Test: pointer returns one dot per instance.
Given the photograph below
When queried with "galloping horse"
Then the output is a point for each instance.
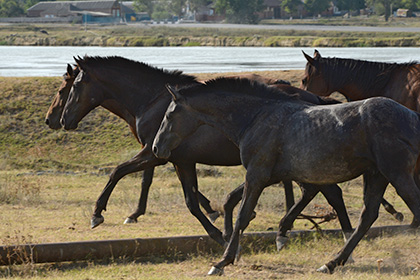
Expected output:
(360, 79)
(281, 137)
(53, 117)
(139, 90)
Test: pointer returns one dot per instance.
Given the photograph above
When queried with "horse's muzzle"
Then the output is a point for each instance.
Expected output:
(68, 125)
(161, 153)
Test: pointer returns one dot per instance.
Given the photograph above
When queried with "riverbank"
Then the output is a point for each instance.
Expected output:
(160, 35)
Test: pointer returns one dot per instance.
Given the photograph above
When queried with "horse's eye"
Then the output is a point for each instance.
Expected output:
(304, 81)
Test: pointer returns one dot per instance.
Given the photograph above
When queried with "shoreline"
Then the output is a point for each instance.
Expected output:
(203, 35)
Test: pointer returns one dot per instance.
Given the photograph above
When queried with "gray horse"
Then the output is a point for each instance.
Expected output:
(283, 138)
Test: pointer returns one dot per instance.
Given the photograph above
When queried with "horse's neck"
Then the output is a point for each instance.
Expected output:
(353, 91)
(117, 109)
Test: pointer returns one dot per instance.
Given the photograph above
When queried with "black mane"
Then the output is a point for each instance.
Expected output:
(238, 85)
(369, 74)
(137, 67)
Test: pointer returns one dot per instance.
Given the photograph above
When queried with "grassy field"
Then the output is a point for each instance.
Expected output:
(50, 180)
(161, 35)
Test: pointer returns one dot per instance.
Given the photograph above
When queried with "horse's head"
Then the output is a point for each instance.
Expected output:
(178, 123)
(85, 95)
(314, 80)
(53, 116)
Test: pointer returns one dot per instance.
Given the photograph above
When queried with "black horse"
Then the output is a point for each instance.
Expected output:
(281, 137)
(138, 90)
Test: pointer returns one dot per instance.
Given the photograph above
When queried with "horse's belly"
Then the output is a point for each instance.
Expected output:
(324, 168)
(325, 175)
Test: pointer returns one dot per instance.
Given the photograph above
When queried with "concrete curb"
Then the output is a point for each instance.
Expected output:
(139, 247)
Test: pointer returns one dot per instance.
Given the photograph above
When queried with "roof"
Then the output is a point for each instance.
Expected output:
(81, 5)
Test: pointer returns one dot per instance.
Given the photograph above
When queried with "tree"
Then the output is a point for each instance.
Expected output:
(240, 11)
(315, 7)
(161, 10)
(290, 6)
(11, 8)
(176, 6)
(144, 6)
(382, 7)
(413, 5)
(351, 5)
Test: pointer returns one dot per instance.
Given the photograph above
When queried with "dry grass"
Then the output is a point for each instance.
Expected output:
(56, 207)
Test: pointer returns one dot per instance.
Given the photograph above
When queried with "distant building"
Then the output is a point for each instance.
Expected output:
(208, 14)
(403, 13)
(91, 11)
(272, 9)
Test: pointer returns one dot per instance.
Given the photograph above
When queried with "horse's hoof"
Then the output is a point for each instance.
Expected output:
(213, 216)
(214, 271)
(414, 224)
(399, 216)
(281, 241)
(130, 221)
(253, 215)
(96, 221)
(324, 269)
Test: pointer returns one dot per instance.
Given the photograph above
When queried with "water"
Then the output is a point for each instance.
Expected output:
(52, 61)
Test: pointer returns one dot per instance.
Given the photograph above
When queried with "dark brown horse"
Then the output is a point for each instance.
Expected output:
(281, 137)
(359, 79)
(53, 117)
(140, 90)
(55, 110)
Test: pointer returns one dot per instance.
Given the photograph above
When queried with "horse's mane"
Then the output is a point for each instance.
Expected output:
(124, 64)
(238, 85)
(369, 74)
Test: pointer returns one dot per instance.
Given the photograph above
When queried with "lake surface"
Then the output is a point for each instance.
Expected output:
(52, 61)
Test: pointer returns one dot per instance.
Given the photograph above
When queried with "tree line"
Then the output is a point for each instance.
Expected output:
(236, 11)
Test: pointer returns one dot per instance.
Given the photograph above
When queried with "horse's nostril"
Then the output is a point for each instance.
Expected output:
(155, 150)
(47, 121)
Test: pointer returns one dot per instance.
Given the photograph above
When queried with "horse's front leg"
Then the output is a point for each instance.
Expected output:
(232, 199)
(188, 177)
(146, 182)
(251, 194)
(374, 188)
(143, 160)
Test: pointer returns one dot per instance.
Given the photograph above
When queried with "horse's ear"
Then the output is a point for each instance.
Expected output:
(79, 61)
(69, 70)
(175, 94)
(308, 58)
(317, 54)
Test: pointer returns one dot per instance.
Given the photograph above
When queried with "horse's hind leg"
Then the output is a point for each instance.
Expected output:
(188, 177)
(213, 214)
(146, 182)
(235, 196)
(407, 189)
(416, 222)
(286, 223)
(391, 210)
(374, 188)
(334, 196)
(288, 194)
(143, 160)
